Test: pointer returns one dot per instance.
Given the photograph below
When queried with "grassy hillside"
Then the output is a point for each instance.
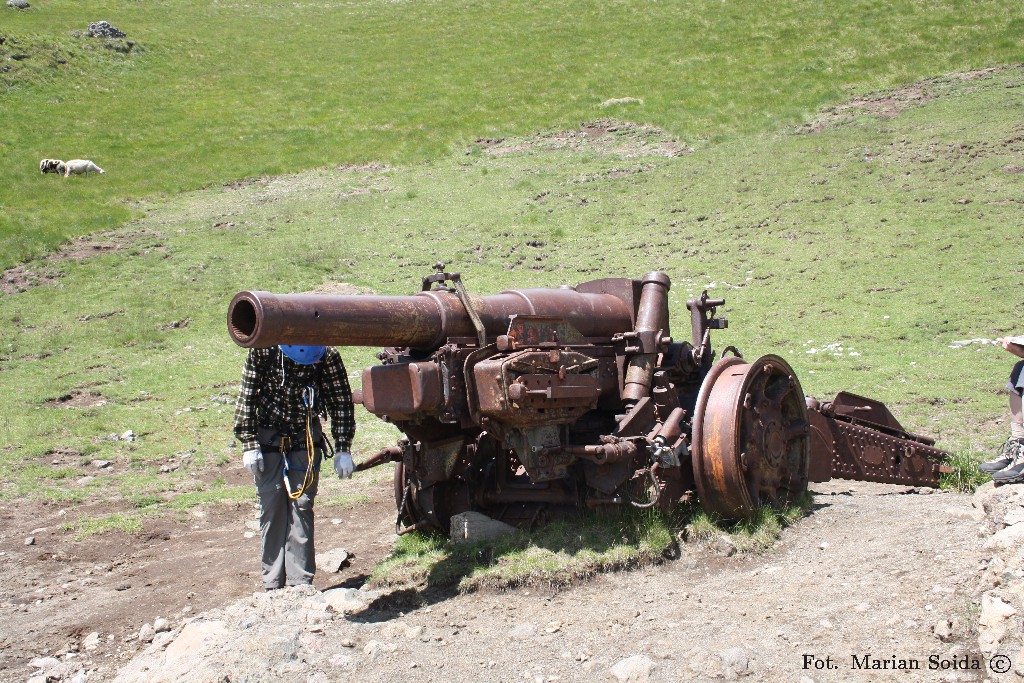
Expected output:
(212, 92)
(859, 252)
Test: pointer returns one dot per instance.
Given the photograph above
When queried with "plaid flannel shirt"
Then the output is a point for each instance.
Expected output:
(271, 396)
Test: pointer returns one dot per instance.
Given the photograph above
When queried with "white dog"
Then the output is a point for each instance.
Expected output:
(80, 166)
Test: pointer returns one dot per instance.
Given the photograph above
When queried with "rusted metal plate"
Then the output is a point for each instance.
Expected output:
(402, 390)
(866, 454)
(537, 330)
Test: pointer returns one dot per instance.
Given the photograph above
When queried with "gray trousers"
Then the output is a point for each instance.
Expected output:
(286, 526)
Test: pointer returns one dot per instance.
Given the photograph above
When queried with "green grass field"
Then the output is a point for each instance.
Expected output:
(217, 91)
(859, 252)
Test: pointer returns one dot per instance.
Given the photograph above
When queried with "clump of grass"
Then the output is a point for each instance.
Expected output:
(344, 500)
(559, 553)
(755, 534)
(965, 476)
(86, 527)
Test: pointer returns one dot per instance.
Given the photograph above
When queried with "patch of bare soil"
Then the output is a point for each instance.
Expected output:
(603, 136)
(77, 399)
(340, 289)
(889, 104)
(23, 277)
(58, 590)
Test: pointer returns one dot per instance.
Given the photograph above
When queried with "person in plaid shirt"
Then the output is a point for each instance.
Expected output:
(285, 390)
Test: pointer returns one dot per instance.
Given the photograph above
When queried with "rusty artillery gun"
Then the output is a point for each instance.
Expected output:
(535, 399)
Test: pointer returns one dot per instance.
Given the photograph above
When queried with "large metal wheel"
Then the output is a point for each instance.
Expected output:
(751, 444)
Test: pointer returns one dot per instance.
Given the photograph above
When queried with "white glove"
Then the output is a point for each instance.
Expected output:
(343, 465)
(253, 461)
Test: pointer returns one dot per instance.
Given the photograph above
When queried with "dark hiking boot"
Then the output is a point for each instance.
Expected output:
(1009, 450)
(1015, 471)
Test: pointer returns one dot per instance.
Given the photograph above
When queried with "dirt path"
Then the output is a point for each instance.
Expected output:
(873, 571)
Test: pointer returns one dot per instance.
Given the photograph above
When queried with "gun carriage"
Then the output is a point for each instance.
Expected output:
(532, 399)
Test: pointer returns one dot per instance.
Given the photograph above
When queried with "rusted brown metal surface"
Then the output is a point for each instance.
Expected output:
(853, 437)
(530, 401)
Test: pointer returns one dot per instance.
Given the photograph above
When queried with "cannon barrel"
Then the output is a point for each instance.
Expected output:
(423, 321)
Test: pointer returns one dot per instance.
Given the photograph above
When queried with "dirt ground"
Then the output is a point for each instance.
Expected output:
(58, 590)
(873, 569)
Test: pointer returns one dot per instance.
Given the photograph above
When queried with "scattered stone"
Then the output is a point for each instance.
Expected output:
(146, 633)
(128, 435)
(468, 527)
(332, 561)
(161, 625)
(823, 545)
(31, 540)
(994, 611)
(523, 631)
(1007, 538)
(724, 546)
(254, 524)
(635, 669)
(18, 4)
(44, 663)
(102, 29)
(91, 641)
(349, 599)
(342, 661)
(943, 630)
(101, 464)
(81, 677)
(734, 663)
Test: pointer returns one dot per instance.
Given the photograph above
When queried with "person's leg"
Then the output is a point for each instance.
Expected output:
(1016, 416)
(1013, 450)
(300, 551)
(274, 521)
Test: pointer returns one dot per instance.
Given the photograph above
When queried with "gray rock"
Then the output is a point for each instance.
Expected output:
(349, 599)
(468, 527)
(81, 677)
(146, 633)
(724, 546)
(102, 29)
(31, 540)
(161, 625)
(734, 663)
(635, 669)
(523, 631)
(91, 641)
(332, 561)
(101, 464)
(943, 630)
(44, 663)
(18, 4)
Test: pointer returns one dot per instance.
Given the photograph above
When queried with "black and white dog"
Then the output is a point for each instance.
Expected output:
(52, 166)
